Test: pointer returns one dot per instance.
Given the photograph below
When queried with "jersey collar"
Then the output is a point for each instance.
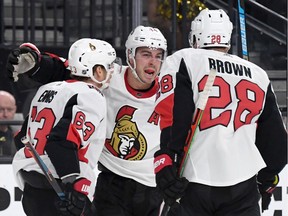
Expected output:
(141, 93)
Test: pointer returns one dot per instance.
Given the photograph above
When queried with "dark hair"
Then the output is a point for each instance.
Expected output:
(80, 78)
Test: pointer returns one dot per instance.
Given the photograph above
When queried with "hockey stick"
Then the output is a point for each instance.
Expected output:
(44, 168)
(242, 23)
(200, 107)
(53, 182)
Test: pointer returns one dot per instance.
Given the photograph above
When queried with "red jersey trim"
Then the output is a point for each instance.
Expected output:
(73, 136)
(141, 94)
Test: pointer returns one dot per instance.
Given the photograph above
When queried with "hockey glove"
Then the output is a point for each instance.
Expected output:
(171, 186)
(24, 59)
(76, 203)
(266, 189)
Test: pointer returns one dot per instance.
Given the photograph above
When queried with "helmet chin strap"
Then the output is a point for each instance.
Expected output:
(134, 70)
(104, 86)
(104, 82)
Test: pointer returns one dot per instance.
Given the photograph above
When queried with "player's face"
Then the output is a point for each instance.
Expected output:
(148, 63)
(7, 107)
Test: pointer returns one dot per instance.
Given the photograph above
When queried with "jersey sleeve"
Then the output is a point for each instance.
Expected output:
(175, 104)
(271, 137)
(52, 68)
(69, 140)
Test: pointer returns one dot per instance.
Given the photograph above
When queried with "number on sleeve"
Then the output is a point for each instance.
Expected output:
(81, 124)
(166, 83)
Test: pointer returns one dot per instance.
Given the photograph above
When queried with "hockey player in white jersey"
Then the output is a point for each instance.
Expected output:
(126, 184)
(66, 125)
(241, 135)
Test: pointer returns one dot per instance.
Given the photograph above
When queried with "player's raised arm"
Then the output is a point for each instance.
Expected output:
(27, 60)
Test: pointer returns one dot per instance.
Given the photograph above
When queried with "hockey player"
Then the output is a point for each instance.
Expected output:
(66, 125)
(241, 138)
(126, 184)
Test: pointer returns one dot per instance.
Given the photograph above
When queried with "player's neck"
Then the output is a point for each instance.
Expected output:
(90, 81)
(135, 83)
(220, 49)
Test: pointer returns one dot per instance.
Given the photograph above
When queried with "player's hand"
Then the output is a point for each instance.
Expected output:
(266, 189)
(24, 59)
(171, 186)
(76, 202)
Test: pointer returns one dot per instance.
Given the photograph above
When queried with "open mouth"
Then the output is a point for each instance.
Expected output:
(149, 72)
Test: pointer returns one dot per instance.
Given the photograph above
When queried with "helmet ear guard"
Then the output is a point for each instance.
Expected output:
(211, 28)
(192, 40)
(129, 53)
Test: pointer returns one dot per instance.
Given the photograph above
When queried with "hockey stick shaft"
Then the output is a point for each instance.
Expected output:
(197, 120)
(200, 107)
(165, 210)
(242, 23)
(53, 182)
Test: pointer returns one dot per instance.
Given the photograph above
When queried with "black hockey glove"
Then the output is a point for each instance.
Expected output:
(24, 59)
(76, 203)
(171, 186)
(266, 189)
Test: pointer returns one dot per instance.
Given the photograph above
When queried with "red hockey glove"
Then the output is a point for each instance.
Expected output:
(24, 59)
(171, 186)
(266, 189)
(76, 202)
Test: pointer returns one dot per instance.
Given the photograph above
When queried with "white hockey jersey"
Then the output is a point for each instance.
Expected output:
(223, 151)
(81, 104)
(133, 132)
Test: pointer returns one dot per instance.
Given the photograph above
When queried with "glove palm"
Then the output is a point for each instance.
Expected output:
(24, 59)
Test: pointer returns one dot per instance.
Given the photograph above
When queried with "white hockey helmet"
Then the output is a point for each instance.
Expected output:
(143, 36)
(85, 53)
(211, 28)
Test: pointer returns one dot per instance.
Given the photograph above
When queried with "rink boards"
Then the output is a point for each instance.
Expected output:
(10, 195)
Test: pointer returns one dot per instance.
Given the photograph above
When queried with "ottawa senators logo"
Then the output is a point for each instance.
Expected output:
(127, 141)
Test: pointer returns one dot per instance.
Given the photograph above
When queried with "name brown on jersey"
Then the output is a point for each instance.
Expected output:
(229, 67)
